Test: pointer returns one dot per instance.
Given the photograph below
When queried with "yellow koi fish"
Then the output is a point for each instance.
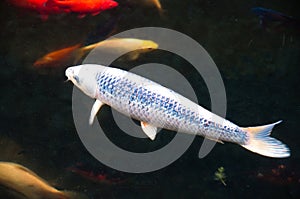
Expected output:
(119, 45)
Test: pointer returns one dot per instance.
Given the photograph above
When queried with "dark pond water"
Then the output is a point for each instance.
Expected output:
(259, 67)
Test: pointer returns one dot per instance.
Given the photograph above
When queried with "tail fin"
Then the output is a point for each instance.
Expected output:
(81, 52)
(260, 142)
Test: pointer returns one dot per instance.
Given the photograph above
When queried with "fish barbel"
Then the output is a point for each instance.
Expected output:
(157, 106)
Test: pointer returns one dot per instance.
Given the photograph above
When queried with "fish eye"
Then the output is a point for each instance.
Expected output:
(76, 78)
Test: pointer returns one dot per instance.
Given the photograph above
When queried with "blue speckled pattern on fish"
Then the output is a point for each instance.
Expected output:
(133, 96)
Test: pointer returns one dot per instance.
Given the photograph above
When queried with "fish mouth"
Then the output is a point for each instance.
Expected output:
(72, 74)
(68, 73)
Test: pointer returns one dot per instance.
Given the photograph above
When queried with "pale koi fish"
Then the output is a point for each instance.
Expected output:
(157, 106)
(24, 182)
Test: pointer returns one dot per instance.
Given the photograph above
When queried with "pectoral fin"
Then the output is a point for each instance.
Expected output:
(134, 56)
(97, 105)
(149, 130)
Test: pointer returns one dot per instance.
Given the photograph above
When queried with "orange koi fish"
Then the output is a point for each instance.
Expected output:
(99, 177)
(57, 58)
(83, 7)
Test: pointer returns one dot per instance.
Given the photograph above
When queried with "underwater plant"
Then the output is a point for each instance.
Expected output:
(220, 175)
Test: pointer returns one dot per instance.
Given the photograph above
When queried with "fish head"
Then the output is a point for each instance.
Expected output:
(108, 4)
(149, 45)
(72, 74)
(84, 77)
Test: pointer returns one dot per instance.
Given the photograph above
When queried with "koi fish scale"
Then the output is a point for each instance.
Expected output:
(148, 101)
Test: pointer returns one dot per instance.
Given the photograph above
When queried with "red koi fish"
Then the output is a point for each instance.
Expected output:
(83, 7)
(99, 177)
(280, 175)
(39, 6)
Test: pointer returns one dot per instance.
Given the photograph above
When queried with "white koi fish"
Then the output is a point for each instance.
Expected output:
(157, 106)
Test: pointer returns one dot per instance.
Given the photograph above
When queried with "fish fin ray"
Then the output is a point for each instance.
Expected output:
(97, 105)
(214, 139)
(149, 130)
(260, 142)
